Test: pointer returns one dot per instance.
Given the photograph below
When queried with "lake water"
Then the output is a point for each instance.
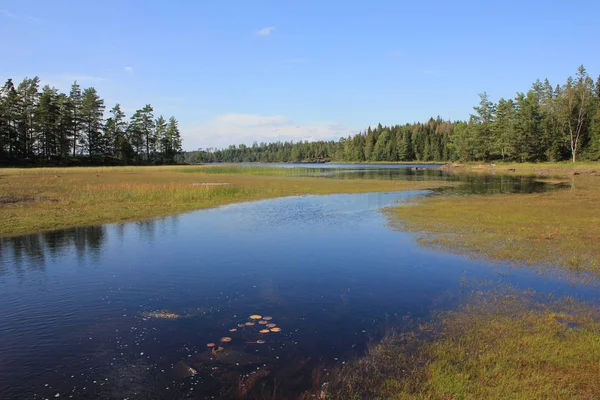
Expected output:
(329, 270)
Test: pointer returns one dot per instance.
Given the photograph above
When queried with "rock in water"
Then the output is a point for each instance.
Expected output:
(181, 371)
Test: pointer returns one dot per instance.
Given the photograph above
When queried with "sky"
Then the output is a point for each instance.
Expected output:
(236, 72)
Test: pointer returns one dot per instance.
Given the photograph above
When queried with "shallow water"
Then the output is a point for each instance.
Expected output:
(328, 269)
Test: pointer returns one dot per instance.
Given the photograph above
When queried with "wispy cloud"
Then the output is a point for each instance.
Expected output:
(128, 69)
(266, 31)
(19, 17)
(227, 129)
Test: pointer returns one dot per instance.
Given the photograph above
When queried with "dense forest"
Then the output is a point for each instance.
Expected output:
(48, 127)
(547, 123)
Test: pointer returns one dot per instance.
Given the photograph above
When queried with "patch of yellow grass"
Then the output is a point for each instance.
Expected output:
(34, 200)
(561, 227)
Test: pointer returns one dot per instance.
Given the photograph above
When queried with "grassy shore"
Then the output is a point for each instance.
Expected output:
(497, 346)
(34, 200)
(547, 168)
(561, 227)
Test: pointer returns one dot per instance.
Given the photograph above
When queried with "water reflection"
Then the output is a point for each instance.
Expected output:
(31, 252)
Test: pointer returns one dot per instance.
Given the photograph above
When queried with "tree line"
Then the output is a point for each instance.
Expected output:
(546, 123)
(49, 127)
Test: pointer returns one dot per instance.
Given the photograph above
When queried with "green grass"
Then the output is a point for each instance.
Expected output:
(497, 346)
(559, 228)
(34, 200)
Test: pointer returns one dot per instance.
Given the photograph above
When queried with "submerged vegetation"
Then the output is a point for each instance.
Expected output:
(560, 227)
(497, 346)
(34, 200)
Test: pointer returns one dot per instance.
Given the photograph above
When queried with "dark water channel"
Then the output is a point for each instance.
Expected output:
(329, 270)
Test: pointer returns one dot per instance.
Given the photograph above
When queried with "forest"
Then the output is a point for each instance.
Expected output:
(546, 123)
(46, 127)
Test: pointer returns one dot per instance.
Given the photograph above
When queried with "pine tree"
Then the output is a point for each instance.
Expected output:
(8, 119)
(142, 131)
(174, 140)
(47, 122)
(503, 129)
(160, 135)
(27, 102)
(114, 132)
(92, 111)
(75, 103)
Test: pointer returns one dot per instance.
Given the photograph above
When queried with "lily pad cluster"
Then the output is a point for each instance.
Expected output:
(265, 326)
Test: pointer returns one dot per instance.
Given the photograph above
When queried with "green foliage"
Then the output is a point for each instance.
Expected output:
(50, 127)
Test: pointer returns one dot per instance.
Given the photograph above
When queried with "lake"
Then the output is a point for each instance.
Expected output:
(80, 309)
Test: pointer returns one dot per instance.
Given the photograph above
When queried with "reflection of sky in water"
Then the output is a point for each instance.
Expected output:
(328, 268)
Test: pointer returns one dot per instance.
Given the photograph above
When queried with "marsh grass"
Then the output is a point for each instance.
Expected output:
(560, 227)
(497, 346)
(68, 197)
(248, 170)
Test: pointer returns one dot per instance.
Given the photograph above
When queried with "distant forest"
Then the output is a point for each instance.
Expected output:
(51, 128)
(547, 123)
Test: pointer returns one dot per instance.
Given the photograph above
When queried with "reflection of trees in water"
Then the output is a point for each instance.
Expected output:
(30, 252)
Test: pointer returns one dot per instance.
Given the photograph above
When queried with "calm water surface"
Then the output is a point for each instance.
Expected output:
(328, 269)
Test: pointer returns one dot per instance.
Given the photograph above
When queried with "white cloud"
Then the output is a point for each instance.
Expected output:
(224, 130)
(266, 31)
(128, 69)
(19, 17)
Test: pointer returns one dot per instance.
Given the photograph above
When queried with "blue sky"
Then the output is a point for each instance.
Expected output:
(239, 71)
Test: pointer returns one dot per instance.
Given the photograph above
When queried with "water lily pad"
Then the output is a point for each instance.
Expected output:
(210, 345)
(271, 325)
(250, 323)
(262, 322)
(233, 330)
(255, 316)
(267, 318)
(275, 329)
(225, 339)
(264, 331)
(260, 341)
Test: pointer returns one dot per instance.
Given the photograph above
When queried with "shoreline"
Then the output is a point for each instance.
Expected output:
(40, 200)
